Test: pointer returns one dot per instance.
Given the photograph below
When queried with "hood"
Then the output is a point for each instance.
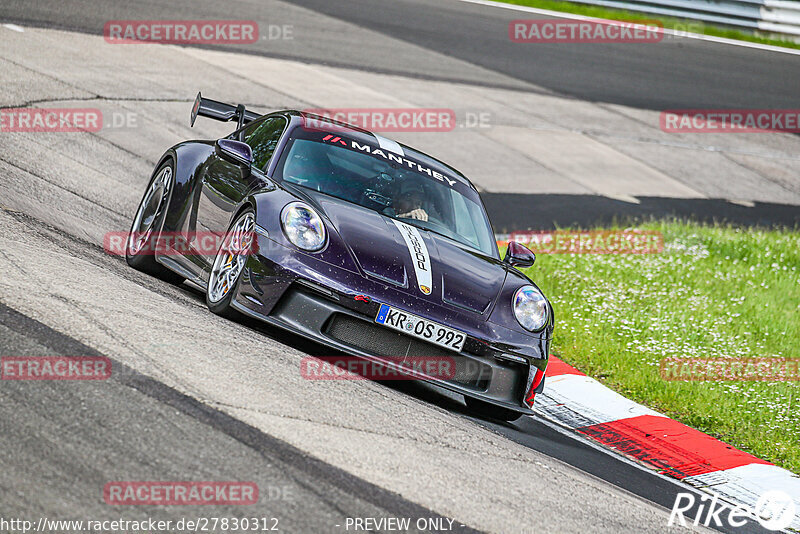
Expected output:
(424, 264)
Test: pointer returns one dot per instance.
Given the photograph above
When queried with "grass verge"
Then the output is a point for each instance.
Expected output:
(684, 25)
(713, 292)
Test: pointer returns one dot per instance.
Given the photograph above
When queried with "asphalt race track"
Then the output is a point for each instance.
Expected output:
(197, 397)
(181, 433)
(591, 95)
(682, 74)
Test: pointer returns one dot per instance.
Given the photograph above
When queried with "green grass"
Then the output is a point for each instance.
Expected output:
(668, 22)
(713, 292)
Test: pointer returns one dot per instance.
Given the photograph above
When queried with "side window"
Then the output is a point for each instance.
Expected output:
(263, 138)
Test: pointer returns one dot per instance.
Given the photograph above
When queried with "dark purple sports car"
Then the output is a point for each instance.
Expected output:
(362, 244)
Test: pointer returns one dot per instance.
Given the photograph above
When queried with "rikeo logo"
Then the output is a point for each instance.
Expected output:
(774, 510)
(181, 31)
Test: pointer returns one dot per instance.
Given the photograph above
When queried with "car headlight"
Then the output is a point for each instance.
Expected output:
(530, 307)
(303, 227)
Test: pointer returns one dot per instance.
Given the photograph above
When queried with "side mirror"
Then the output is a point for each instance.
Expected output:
(236, 152)
(519, 255)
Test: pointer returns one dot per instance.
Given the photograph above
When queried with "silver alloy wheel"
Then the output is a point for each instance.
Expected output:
(231, 258)
(149, 210)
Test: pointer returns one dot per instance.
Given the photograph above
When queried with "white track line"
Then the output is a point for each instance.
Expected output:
(666, 31)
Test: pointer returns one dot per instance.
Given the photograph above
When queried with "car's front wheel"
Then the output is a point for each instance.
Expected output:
(484, 409)
(142, 242)
(229, 264)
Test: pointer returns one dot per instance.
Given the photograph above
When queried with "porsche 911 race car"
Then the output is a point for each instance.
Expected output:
(351, 239)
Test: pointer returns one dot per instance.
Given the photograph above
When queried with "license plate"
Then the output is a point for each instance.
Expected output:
(418, 327)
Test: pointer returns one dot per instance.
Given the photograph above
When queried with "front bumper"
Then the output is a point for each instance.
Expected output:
(304, 295)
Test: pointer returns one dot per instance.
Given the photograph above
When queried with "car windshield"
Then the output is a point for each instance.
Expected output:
(394, 185)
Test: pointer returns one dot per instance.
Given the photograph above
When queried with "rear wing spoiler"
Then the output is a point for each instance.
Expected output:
(221, 111)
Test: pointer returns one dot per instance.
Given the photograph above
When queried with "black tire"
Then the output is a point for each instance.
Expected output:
(147, 224)
(486, 410)
(217, 300)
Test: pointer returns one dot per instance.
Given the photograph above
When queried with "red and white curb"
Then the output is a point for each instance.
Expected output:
(583, 404)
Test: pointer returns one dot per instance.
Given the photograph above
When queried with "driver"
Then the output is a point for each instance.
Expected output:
(408, 205)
